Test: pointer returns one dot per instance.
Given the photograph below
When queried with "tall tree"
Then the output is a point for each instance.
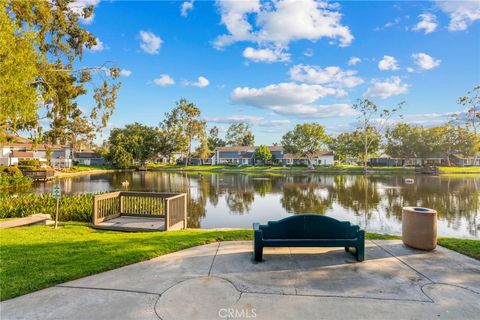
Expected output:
(306, 140)
(18, 68)
(239, 134)
(214, 141)
(471, 116)
(185, 120)
(138, 140)
(351, 145)
(167, 141)
(371, 116)
(262, 153)
(203, 151)
(406, 141)
(452, 140)
(42, 41)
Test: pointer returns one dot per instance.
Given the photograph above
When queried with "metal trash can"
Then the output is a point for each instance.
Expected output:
(419, 228)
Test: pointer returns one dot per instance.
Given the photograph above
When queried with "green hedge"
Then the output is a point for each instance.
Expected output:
(72, 208)
(12, 177)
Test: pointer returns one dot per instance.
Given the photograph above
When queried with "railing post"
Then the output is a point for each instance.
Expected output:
(121, 202)
(94, 218)
(167, 213)
(185, 211)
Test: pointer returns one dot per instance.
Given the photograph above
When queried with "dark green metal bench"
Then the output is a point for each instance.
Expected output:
(309, 230)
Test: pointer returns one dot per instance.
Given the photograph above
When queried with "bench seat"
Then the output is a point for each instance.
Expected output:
(309, 230)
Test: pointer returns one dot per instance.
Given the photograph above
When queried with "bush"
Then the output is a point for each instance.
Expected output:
(27, 168)
(7, 181)
(29, 162)
(71, 208)
(13, 171)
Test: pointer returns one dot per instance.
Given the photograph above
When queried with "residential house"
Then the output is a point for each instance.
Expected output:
(323, 158)
(89, 158)
(436, 159)
(243, 155)
(13, 152)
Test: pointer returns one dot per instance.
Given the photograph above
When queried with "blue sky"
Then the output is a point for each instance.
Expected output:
(276, 64)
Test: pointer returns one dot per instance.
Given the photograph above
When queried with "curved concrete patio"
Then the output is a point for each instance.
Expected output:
(220, 281)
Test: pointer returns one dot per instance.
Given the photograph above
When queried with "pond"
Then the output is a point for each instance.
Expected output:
(236, 200)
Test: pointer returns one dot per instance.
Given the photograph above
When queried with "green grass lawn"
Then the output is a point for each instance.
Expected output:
(327, 169)
(81, 168)
(466, 246)
(33, 258)
(459, 169)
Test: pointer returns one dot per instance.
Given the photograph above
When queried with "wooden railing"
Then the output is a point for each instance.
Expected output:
(36, 175)
(176, 212)
(170, 206)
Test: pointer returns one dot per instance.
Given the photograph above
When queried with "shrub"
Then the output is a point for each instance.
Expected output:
(29, 162)
(25, 167)
(7, 181)
(71, 208)
(13, 171)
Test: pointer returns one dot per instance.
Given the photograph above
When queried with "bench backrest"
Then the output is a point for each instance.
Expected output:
(309, 226)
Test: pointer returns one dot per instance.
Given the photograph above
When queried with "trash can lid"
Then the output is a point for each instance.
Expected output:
(419, 210)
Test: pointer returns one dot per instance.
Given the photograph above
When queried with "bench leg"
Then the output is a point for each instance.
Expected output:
(258, 253)
(360, 253)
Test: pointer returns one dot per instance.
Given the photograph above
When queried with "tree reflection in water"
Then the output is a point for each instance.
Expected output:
(372, 200)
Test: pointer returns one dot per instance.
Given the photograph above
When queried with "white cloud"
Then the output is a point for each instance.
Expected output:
(125, 73)
(251, 120)
(316, 111)
(281, 94)
(292, 99)
(308, 53)
(150, 42)
(388, 63)
(281, 22)
(201, 82)
(428, 23)
(234, 17)
(354, 60)
(330, 76)
(425, 62)
(78, 6)
(186, 6)
(389, 87)
(389, 24)
(266, 55)
(98, 46)
(462, 13)
(164, 80)
(425, 119)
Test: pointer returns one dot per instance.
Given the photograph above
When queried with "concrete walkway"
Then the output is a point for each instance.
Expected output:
(220, 281)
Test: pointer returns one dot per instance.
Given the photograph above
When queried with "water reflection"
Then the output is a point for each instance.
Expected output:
(237, 200)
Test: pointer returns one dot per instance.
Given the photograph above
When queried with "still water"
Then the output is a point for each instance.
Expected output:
(220, 200)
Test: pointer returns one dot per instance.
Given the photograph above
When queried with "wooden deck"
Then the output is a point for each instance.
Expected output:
(140, 211)
(130, 223)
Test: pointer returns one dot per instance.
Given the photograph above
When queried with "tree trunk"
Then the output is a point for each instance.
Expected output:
(188, 152)
(365, 155)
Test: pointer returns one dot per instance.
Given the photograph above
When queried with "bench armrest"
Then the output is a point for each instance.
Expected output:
(257, 232)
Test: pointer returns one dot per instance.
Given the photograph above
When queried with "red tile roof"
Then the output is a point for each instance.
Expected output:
(22, 154)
